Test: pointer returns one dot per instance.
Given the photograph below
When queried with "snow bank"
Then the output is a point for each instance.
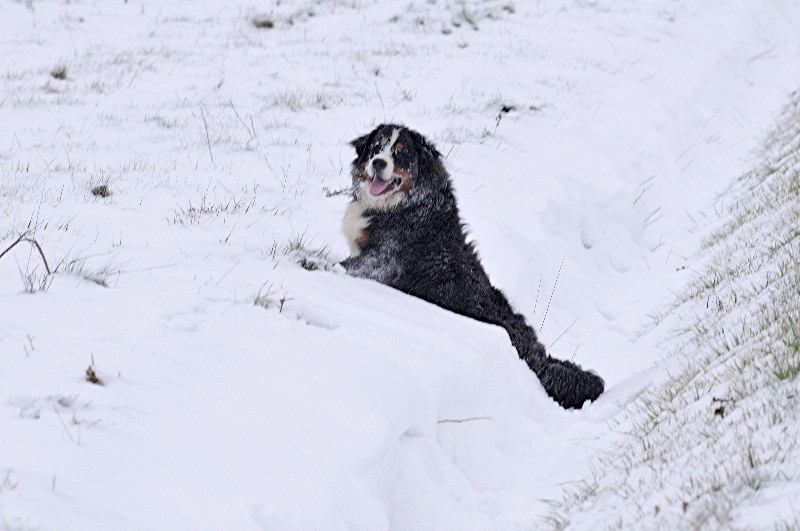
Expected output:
(241, 390)
(716, 445)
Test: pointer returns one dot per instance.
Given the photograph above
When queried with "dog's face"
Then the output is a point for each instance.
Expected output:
(390, 166)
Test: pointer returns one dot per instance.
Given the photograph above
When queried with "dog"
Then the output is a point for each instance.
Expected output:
(404, 230)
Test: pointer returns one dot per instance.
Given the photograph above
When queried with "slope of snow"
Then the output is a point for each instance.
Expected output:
(336, 403)
(715, 446)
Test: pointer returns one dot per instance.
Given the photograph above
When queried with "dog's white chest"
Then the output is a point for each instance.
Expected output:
(353, 225)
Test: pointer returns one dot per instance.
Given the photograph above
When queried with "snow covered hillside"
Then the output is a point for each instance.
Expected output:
(715, 445)
(181, 165)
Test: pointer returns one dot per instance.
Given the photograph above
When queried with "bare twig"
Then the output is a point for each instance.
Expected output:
(229, 270)
(251, 133)
(24, 238)
(208, 138)
(146, 269)
(12, 245)
(538, 290)
(564, 332)
(341, 191)
(459, 421)
(379, 95)
(555, 285)
(71, 438)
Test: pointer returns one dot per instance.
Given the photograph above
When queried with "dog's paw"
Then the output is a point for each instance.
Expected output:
(593, 385)
(569, 385)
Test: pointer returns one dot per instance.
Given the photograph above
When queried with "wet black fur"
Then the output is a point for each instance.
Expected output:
(420, 248)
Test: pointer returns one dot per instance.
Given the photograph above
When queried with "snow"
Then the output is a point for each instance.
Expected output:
(338, 403)
(713, 446)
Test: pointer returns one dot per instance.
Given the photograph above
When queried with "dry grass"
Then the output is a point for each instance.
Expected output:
(701, 447)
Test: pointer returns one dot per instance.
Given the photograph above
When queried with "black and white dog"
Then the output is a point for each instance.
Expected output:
(404, 231)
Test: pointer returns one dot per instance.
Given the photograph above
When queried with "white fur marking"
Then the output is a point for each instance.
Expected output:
(353, 225)
(386, 155)
(388, 199)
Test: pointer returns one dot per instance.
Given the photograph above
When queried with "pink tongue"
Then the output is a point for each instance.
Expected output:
(378, 185)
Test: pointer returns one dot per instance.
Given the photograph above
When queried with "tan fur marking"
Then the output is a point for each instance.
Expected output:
(406, 179)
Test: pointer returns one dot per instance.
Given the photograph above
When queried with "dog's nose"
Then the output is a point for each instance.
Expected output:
(378, 165)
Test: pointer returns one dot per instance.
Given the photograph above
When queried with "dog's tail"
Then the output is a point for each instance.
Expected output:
(564, 381)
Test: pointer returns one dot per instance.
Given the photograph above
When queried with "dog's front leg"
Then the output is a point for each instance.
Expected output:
(351, 263)
(354, 226)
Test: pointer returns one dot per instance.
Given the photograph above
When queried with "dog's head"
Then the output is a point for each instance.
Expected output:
(394, 164)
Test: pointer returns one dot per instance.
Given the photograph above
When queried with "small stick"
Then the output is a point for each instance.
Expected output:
(228, 271)
(379, 95)
(249, 132)
(146, 269)
(459, 421)
(341, 191)
(536, 302)
(23, 238)
(208, 139)
(71, 438)
(555, 285)
(564, 332)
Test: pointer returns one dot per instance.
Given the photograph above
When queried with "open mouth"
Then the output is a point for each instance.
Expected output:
(379, 187)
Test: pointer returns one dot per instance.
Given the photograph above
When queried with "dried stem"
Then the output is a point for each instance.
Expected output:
(459, 421)
(208, 138)
(555, 285)
(24, 238)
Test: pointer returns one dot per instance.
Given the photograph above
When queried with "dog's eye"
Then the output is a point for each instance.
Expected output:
(398, 147)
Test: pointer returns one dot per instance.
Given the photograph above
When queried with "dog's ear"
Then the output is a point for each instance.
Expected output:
(430, 166)
(360, 144)
(425, 148)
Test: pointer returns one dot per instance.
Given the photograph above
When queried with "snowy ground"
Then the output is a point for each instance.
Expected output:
(715, 445)
(330, 403)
